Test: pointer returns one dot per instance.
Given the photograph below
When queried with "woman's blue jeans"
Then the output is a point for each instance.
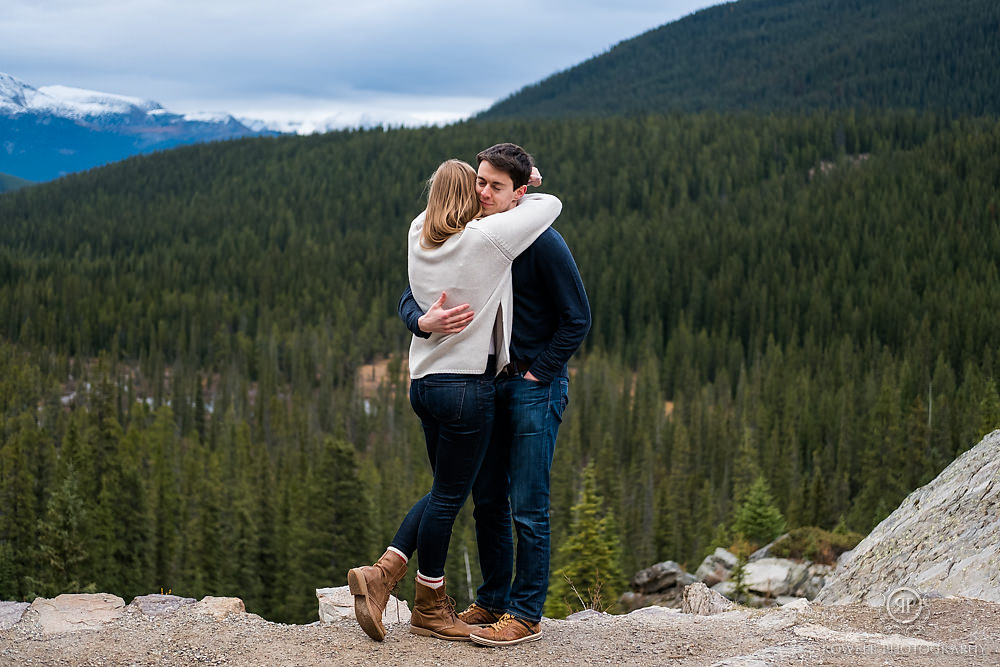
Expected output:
(456, 413)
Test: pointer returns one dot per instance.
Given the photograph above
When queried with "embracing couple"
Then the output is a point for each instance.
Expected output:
(496, 307)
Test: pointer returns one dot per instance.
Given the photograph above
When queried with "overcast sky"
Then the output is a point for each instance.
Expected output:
(359, 60)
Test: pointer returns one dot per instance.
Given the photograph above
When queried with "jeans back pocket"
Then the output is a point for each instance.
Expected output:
(443, 400)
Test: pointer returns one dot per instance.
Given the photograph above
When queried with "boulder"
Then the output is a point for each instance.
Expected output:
(158, 605)
(71, 612)
(716, 567)
(701, 600)
(219, 607)
(771, 577)
(662, 585)
(11, 613)
(337, 603)
(661, 577)
(725, 588)
(944, 539)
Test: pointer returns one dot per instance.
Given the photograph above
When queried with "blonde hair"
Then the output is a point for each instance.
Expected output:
(451, 203)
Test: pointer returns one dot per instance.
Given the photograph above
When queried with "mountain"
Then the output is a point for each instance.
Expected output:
(788, 55)
(50, 131)
(8, 183)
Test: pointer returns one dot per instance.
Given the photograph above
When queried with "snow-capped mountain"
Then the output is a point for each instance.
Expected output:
(17, 97)
(50, 131)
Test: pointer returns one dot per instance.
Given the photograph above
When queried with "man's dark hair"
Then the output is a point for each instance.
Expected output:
(509, 158)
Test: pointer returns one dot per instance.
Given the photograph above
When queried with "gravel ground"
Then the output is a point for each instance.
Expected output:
(954, 631)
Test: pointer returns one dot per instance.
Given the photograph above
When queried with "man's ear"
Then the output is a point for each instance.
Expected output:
(520, 192)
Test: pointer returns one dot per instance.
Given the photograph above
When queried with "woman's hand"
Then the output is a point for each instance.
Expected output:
(535, 179)
(442, 320)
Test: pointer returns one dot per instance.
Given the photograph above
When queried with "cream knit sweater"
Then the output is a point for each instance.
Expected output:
(473, 266)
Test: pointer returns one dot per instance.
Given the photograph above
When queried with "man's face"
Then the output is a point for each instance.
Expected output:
(496, 189)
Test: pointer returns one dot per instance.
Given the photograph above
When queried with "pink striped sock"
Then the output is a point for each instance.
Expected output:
(430, 582)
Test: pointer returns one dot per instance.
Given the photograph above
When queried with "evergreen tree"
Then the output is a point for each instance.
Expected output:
(165, 500)
(345, 502)
(745, 469)
(674, 517)
(989, 409)
(17, 519)
(757, 519)
(65, 542)
(590, 574)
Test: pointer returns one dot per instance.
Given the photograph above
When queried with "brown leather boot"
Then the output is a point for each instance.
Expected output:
(434, 615)
(370, 586)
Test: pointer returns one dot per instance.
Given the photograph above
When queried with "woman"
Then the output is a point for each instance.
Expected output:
(451, 246)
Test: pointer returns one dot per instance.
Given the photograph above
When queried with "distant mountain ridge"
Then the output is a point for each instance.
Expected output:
(50, 131)
(8, 183)
(788, 55)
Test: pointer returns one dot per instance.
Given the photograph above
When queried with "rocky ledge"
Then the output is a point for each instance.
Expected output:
(166, 630)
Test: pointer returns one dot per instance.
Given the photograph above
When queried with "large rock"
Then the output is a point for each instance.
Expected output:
(219, 607)
(716, 567)
(74, 612)
(662, 584)
(771, 581)
(337, 603)
(771, 577)
(11, 613)
(944, 538)
(158, 605)
(661, 577)
(701, 600)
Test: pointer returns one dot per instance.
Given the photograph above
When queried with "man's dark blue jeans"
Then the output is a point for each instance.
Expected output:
(528, 415)
(456, 413)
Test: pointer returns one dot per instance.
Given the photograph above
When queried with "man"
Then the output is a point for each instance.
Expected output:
(551, 319)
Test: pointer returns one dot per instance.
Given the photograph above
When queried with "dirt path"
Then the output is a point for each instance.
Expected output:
(951, 632)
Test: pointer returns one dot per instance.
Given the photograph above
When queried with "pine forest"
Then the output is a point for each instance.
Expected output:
(203, 385)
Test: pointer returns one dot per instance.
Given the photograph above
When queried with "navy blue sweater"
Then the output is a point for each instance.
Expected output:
(551, 311)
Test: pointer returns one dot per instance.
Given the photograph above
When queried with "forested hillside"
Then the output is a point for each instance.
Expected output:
(810, 297)
(788, 55)
(8, 182)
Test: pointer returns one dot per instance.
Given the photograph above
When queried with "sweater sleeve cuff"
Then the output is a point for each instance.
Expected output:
(542, 372)
(412, 323)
